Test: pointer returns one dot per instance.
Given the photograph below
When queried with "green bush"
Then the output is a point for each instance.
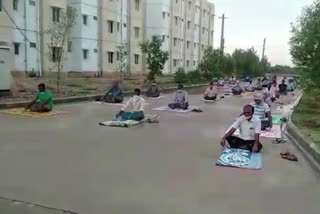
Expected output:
(32, 73)
(194, 76)
(180, 76)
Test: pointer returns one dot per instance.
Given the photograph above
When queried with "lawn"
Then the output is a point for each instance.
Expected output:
(306, 116)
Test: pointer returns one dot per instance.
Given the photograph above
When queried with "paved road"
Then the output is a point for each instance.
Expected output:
(69, 162)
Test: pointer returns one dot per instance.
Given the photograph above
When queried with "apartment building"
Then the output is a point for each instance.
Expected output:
(186, 27)
(5, 23)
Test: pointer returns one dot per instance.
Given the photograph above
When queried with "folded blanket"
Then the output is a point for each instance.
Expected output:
(129, 123)
(240, 159)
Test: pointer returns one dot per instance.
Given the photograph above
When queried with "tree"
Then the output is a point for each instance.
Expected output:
(211, 64)
(59, 32)
(156, 58)
(305, 45)
(122, 55)
(228, 65)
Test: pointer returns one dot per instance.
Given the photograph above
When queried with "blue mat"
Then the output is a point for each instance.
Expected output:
(240, 159)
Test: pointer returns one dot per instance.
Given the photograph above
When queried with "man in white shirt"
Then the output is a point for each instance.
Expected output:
(249, 127)
(133, 109)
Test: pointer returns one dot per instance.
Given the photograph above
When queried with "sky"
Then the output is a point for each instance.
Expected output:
(250, 21)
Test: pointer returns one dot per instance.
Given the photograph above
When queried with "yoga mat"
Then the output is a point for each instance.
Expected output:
(274, 133)
(208, 101)
(166, 108)
(113, 104)
(127, 123)
(22, 112)
(240, 159)
(156, 98)
(276, 119)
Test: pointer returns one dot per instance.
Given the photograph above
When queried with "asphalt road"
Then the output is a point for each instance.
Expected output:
(70, 162)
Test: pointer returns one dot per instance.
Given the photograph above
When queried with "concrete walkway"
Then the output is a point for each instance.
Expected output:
(71, 163)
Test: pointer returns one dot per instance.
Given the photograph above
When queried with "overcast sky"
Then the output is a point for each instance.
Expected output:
(251, 20)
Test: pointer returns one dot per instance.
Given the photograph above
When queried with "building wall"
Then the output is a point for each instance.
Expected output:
(5, 23)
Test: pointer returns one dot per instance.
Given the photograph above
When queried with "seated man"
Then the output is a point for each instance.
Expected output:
(232, 80)
(220, 82)
(43, 101)
(262, 110)
(283, 88)
(274, 92)
(153, 91)
(237, 90)
(114, 95)
(249, 127)
(180, 99)
(211, 92)
(133, 109)
(250, 87)
(291, 85)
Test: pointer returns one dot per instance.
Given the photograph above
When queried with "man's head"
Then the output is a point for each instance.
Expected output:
(248, 111)
(180, 87)
(137, 91)
(283, 81)
(258, 97)
(211, 85)
(259, 80)
(154, 83)
(41, 87)
(115, 83)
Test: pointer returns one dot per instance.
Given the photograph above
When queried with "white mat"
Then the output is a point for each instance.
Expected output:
(156, 98)
(274, 133)
(166, 108)
(113, 104)
(208, 101)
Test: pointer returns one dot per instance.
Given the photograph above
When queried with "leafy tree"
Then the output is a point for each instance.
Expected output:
(228, 65)
(211, 64)
(305, 45)
(156, 58)
(59, 32)
(282, 69)
(122, 55)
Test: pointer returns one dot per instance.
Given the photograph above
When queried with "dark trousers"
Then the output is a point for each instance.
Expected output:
(236, 92)
(113, 99)
(151, 94)
(265, 124)
(238, 143)
(210, 98)
(183, 106)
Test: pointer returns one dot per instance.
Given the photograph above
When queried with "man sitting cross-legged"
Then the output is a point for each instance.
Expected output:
(133, 109)
(249, 127)
(211, 92)
(153, 91)
(180, 99)
(43, 101)
(262, 110)
(114, 95)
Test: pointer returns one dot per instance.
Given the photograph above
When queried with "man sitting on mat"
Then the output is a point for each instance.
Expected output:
(43, 101)
(237, 90)
(153, 91)
(211, 92)
(180, 99)
(262, 110)
(114, 95)
(250, 87)
(283, 87)
(133, 109)
(274, 91)
(249, 127)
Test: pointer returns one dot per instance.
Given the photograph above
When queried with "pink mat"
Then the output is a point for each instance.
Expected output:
(274, 133)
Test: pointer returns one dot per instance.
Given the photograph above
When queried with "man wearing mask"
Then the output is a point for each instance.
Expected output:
(180, 99)
(133, 109)
(249, 127)
(211, 92)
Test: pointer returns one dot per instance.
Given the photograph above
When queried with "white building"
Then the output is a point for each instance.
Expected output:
(186, 27)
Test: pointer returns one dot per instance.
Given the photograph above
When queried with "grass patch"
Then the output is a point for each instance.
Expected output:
(306, 116)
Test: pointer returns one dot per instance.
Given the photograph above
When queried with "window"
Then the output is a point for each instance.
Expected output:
(188, 44)
(163, 15)
(175, 41)
(190, 3)
(85, 19)
(55, 51)
(188, 63)
(69, 46)
(110, 26)
(16, 48)
(194, 63)
(176, 20)
(118, 26)
(118, 56)
(202, 47)
(124, 25)
(136, 59)
(85, 53)
(137, 4)
(32, 3)
(195, 44)
(136, 32)
(163, 37)
(0, 5)
(33, 45)
(110, 57)
(203, 29)
(15, 5)
(189, 24)
(95, 50)
(95, 18)
(177, 1)
(55, 14)
(175, 63)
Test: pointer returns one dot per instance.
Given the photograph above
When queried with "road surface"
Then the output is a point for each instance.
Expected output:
(69, 162)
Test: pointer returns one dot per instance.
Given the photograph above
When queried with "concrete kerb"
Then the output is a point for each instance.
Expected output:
(74, 99)
(308, 148)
